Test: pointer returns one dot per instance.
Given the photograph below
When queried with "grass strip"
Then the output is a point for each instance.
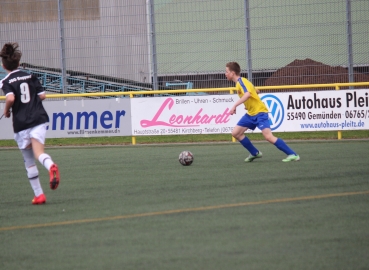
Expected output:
(317, 135)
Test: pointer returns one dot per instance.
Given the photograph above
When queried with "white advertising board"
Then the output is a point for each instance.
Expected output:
(183, 115)
(82, 118)
(6, 125)
(318, 111)
(292, 111)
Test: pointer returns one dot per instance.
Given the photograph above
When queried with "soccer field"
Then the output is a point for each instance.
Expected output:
(136, 207)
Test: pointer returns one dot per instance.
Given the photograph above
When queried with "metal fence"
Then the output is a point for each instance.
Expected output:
(121, 45)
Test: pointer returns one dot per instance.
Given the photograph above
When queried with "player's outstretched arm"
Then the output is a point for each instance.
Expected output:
(9, 101)
(42, 96)
(239, 102)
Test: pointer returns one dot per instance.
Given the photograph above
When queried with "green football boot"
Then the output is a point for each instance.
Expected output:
(291, 158)
(250, 158)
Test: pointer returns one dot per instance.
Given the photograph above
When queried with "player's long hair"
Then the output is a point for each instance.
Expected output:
(10, 56)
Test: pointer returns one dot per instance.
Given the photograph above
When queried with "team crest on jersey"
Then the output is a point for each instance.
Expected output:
(276, 110)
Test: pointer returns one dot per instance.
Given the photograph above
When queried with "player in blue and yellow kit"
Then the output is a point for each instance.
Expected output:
(256, 116)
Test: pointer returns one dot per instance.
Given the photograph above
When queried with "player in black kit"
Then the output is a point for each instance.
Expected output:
(24, 95)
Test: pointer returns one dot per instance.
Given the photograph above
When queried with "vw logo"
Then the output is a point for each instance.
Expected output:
(276, 110)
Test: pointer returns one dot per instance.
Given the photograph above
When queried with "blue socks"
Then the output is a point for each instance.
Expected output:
(249, 146)
(281, 145)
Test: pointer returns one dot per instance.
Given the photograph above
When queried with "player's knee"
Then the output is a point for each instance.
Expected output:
(32, 172)
(29, 159)
(236, 134)
(270, 138)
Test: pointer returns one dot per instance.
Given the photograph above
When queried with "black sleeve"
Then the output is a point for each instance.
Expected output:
(6, 88)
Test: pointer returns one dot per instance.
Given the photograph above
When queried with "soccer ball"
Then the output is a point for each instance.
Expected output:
(185, 158)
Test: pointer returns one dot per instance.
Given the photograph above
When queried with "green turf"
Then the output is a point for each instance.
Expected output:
(315, 135)
(120, 181)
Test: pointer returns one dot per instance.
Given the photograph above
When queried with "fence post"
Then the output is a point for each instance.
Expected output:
(63, 81)
(339, 133)
(154, 61)
(349, 43)
(133, 137)
(248, 41)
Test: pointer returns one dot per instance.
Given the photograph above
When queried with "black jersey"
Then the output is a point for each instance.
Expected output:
(27, 109)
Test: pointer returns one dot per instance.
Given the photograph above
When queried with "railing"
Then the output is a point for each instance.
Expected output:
(231, 90)
(337, 86)
(52, 82)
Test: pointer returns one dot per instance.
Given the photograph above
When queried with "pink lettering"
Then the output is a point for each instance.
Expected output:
(172, 119)
(182, 120)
